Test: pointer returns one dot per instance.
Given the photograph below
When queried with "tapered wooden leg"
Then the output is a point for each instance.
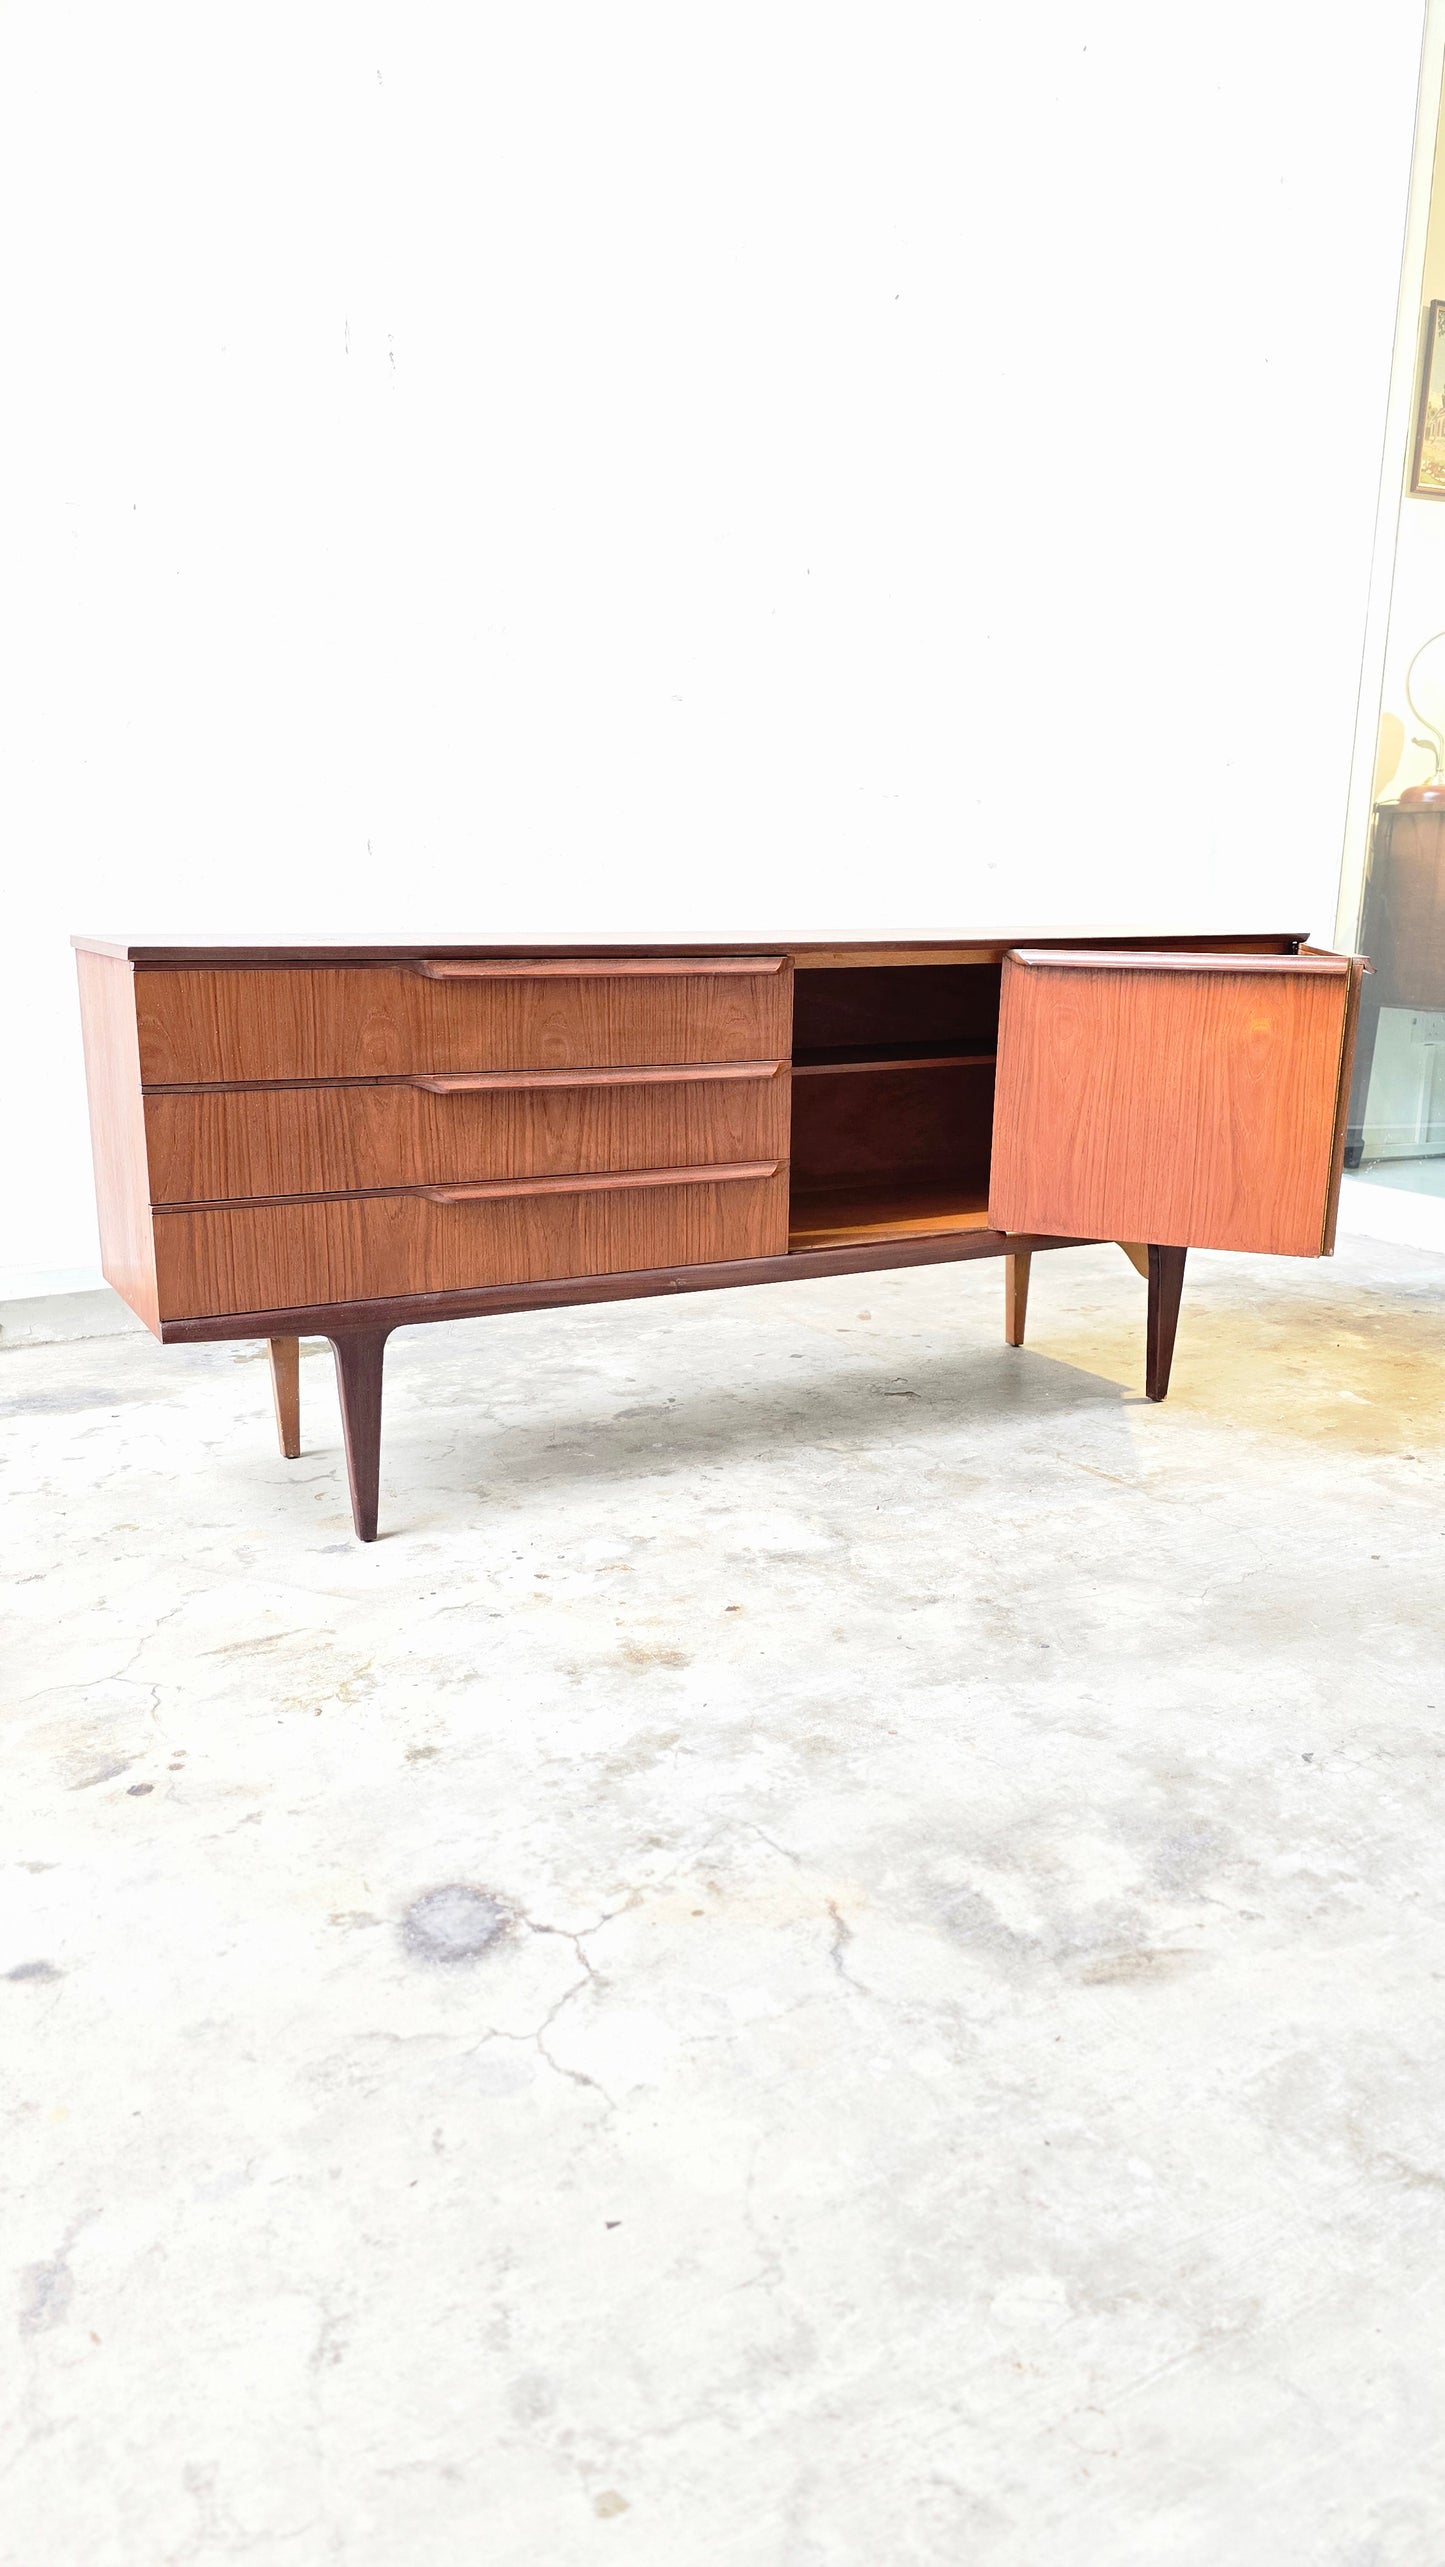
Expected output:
(359, 1353)
(285, 1355)
(1016, 1296)
(1166, 1283)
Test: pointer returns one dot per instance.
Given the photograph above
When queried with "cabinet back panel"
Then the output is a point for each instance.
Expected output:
(931, 1003)
(934, 1121)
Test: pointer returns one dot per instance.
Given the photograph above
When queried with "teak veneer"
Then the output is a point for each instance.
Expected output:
(340, 1141)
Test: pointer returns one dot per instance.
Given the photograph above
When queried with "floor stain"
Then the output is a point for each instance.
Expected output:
(453, 1923)
(48, 2289)
(1119, 1969)
(102, 1774)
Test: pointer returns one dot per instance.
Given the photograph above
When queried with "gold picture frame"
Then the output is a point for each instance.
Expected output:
(1427, 466)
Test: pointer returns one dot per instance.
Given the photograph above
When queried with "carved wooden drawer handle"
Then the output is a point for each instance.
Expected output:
(728, 1173)
(595, 967)
(471, 1082)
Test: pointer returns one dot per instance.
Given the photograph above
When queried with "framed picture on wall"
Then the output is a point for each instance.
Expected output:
(1427, 472)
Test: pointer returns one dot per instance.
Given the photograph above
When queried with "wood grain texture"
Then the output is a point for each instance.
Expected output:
(117, 1132)
(148, 953)
(868, 1008)
(1016, 1297)
(905, 1056)
(371, 1247)
(1354, 1010)
(211, 1144)
(851, 958)
(360, 1353)
(497, 1189)
(1191, 1109)
(1166, 1288)
(859, 1257)
(285, 1353)
(461, 1082)
(834, 1216)
(225, 1025)
(630, 966)
(901, 1121)
(1311, 959)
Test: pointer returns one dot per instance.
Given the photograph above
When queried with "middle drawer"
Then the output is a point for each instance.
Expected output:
(221, 1145)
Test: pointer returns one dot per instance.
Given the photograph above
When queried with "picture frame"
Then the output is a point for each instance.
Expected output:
(1427, 463)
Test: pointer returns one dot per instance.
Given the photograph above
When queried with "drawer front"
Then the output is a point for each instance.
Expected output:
(280, 1256)
(222, 1144)
(375, 1020)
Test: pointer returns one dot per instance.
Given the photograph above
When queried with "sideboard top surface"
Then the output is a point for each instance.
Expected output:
(814, 952)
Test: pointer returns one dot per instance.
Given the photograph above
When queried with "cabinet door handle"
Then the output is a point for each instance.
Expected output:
(1292, 965)
(470, 1082)
(596, 967)
(727, 1173)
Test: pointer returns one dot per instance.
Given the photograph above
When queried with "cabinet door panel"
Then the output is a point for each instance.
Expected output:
(1190, 1100)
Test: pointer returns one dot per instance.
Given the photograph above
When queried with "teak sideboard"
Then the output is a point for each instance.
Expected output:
(342, 1140)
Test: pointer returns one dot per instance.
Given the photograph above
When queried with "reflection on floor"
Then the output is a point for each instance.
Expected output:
(1411, 1176)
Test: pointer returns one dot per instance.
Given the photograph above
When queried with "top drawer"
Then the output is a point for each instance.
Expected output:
(361, 1020)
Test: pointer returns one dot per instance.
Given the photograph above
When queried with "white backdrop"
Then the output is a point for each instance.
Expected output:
(605, 469)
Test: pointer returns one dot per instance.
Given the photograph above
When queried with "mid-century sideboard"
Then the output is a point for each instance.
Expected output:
(343, 1140)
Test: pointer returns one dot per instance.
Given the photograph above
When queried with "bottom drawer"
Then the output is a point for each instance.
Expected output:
(281, 1256)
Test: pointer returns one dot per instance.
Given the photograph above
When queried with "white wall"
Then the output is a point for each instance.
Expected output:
(619, 469)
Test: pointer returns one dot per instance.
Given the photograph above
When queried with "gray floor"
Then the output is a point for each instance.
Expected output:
(1410, 1176)
(829, 1956)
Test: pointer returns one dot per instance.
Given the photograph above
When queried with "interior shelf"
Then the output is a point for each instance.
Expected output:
(893, 1078)
(838, 1215)
(886, 1056)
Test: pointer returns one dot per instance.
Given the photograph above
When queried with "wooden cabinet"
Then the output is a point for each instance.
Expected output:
(1402, 929)
(340, 1141)
(1404, 910)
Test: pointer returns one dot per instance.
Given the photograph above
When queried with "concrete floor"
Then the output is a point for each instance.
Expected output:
(828, 1956)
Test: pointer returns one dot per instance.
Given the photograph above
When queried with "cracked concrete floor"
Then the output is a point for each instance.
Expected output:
(828, 1956)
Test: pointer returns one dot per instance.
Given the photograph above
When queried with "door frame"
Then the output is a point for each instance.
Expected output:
(1398, 430)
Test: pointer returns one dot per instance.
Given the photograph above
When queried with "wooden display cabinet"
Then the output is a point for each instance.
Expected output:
(340, 1141)
(1403, 924)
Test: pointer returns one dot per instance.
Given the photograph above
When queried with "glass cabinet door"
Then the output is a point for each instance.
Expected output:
(1397, 1110)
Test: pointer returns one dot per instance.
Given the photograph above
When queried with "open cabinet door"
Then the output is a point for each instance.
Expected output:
(1189, 1100)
